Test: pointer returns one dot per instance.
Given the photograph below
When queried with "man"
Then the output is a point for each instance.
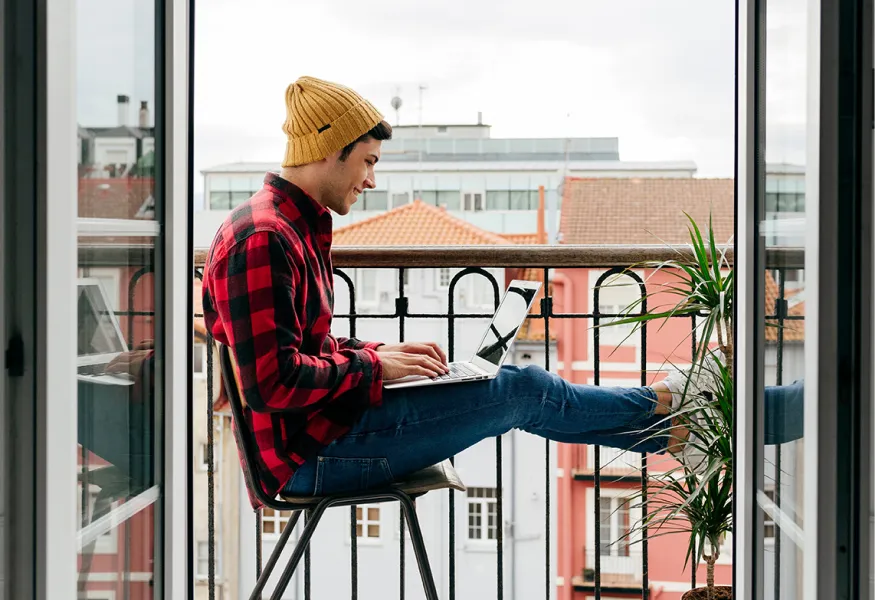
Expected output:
(322, 421)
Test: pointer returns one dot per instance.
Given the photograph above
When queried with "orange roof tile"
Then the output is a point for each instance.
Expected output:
(525, 239)
(794, 329)
(645, 211)
(415, 224)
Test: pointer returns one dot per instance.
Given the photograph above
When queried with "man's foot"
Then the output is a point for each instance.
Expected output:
(691, 391)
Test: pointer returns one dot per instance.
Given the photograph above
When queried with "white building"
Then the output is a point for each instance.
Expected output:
(489, 182)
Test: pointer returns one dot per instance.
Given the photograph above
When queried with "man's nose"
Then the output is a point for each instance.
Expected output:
(370, 183)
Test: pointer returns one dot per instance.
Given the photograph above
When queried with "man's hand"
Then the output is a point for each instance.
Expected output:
(427, 348)
(132, 362)
(403, 360)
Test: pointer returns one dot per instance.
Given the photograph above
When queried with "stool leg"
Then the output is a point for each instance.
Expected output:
(418, 546)
(302, 544)
(274, 557)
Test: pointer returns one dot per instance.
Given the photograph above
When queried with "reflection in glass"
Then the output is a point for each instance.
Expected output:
(505, 324)
(782, 211)
(118, 490)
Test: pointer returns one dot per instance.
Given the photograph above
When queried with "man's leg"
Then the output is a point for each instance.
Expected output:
(418, 427)
(784, 413)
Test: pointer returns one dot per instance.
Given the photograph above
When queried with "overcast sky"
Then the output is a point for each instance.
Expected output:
(659, 75)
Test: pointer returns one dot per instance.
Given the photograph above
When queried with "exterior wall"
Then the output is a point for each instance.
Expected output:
(619, 366)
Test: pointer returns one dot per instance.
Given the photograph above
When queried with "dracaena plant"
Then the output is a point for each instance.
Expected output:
(695, 500)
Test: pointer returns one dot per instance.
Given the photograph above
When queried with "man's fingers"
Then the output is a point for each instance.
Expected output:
(434, 365)
(441, 355)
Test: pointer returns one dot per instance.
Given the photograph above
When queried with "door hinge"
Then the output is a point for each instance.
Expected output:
(15, 356)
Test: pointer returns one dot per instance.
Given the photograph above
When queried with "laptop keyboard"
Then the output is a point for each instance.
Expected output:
(91, 370)
(457, 371)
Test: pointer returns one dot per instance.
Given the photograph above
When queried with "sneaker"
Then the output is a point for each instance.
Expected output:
(688, 384)
(691, 389)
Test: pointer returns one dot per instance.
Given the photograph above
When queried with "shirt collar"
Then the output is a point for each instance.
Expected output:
(314, 213)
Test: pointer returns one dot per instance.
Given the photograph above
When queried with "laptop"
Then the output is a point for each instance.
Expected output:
(494, 345)
(100, 338)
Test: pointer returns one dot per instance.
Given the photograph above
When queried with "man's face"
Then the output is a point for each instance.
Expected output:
(346, 179)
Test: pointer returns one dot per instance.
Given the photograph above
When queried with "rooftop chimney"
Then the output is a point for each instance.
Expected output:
(144, 115)
(480, 118)
(542, 233)
(123, 109)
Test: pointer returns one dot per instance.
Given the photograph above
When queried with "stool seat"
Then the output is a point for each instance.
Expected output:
(441, 476)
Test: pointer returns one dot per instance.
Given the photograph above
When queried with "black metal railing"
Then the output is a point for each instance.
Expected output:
(541, 260)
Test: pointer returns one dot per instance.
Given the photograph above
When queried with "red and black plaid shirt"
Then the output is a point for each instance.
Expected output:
(269, 295)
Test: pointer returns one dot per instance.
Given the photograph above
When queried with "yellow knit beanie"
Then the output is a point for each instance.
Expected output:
(322, 118)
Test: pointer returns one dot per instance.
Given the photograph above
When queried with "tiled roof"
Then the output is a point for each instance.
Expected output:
(794, 329)
(526, 239)
(533, 330)
(647, 211)
(415, 224)
(119, 198)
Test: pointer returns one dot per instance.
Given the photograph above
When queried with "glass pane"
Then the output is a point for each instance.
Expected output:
(452, 200)
(373, 531)
(519, 200)
(497, 200)
(118, 315)
(373, 514)
(268, 526)
(780, 501)
(358, 530)
(220, 200)
(376, 200)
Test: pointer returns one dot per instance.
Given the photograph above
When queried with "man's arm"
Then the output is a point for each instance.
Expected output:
(252, 291)
(354, 344)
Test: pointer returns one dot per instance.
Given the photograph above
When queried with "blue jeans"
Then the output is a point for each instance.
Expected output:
(418, 427)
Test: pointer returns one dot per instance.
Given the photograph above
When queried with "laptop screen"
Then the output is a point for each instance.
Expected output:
(97, 328)
(507, 320)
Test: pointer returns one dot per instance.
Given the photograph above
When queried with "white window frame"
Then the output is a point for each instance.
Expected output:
(487, 504)
(438, 278)
(278, 519)
(360, 298)
(469, 200)
(365, 522)
(615, 565)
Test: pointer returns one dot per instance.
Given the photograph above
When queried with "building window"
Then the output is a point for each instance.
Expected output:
(400, 199)
(511, 199)
(203, 559)
(451, 200)
(472, 201)
(444, 276)
(366, 286)
(482, 514)
(199, 359)
(367, 522)
(204, 461)
(373, 200)
(614, 523)
(273, 522)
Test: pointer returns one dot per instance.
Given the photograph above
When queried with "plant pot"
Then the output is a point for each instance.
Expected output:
(721, 592)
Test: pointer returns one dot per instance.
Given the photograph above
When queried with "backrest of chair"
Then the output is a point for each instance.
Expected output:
(242, 434)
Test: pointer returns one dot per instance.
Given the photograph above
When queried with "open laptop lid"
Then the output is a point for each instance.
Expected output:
(502, 331)
(100, 338)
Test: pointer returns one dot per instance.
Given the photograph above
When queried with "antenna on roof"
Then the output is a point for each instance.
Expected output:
(396, 105)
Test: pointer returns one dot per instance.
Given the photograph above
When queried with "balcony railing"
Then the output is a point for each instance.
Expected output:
(588, 463)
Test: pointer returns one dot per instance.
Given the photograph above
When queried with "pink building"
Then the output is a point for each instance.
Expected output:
(647, 212)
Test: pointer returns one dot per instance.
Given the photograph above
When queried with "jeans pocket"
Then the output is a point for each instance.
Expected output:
(343, 475)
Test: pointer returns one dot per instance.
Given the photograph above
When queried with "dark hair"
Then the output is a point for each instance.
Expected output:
(381, 131)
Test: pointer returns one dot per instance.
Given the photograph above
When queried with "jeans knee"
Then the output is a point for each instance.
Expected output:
(533, 377)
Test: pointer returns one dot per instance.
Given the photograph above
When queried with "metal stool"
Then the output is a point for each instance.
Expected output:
(436, 477)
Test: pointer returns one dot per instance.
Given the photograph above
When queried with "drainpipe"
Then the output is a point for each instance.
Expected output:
(565, 450)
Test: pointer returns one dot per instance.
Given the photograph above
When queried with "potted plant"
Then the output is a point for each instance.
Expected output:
(695, 499)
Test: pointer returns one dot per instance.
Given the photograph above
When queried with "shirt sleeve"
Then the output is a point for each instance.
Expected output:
(252, 291)
(355, 344)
